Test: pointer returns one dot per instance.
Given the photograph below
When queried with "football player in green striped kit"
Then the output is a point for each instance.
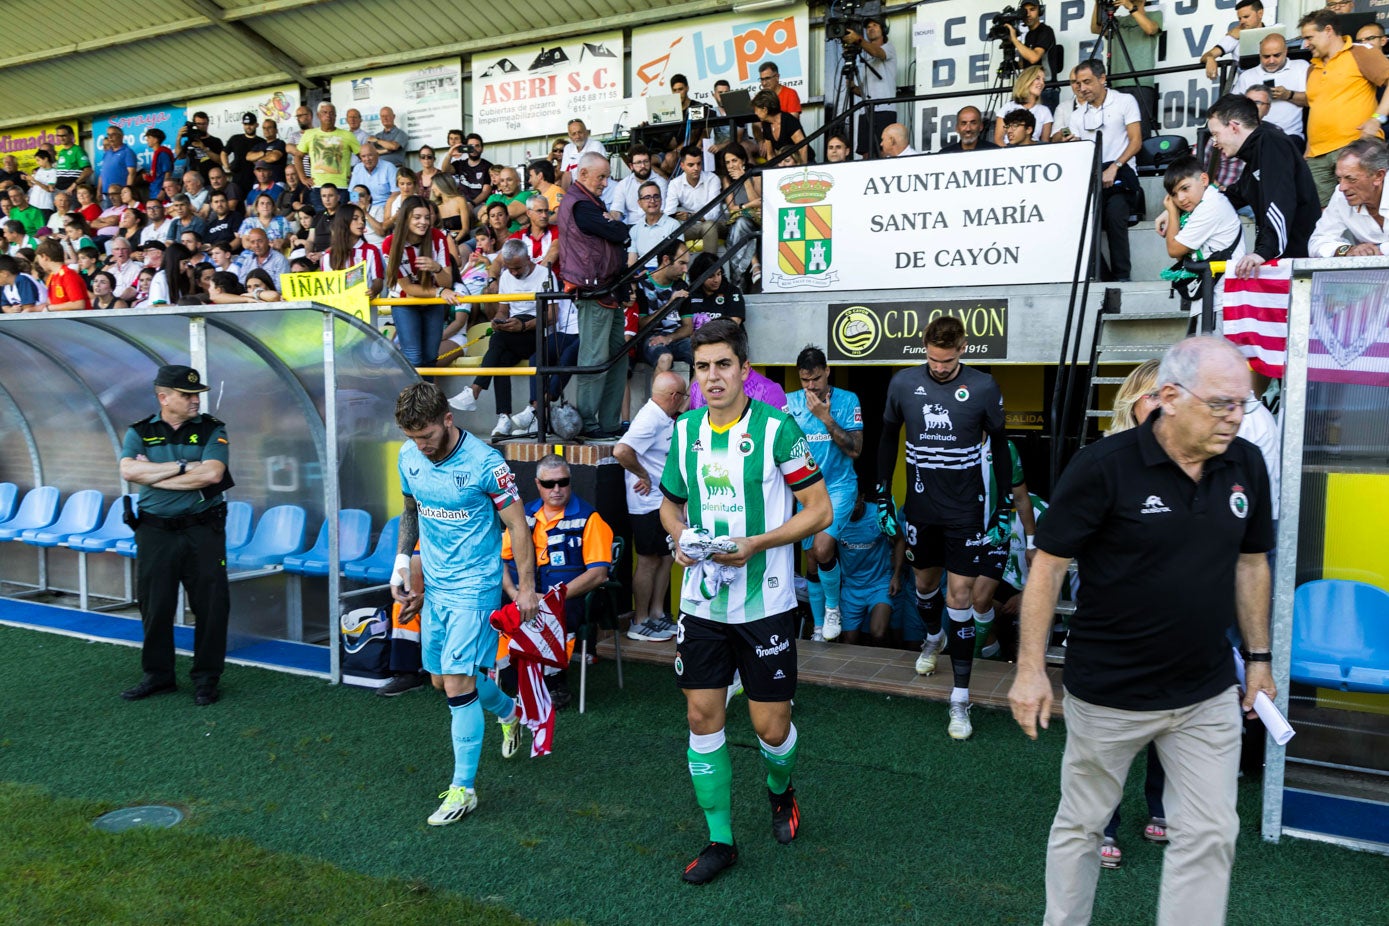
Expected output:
(737, 468)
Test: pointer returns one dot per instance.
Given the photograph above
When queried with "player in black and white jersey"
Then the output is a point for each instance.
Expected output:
(948, 409)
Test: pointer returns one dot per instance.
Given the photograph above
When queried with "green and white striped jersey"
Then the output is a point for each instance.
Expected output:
(738, 481)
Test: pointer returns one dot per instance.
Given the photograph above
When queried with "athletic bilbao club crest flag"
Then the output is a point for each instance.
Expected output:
(534, 645)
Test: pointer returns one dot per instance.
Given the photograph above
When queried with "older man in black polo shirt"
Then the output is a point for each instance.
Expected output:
(1170, 523)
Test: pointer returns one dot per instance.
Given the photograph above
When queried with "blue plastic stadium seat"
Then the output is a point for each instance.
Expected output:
(279, 533)
(238, 524)
(1341, 636)
(81, 514)
(113, 529)
(376, 568)
(38, 509)
(354, 534)
(8, 493)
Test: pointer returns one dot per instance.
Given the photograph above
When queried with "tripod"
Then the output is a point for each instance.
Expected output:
(1002, 90)
(845, 86)
(1110, 36)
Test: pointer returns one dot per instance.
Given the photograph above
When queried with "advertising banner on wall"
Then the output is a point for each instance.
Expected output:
(891, 332)
(427, 99)
(22, 143)
(726, 47)
(985, 218)
(954, 53)
(224, 112)
(535, 90)
(135, 124)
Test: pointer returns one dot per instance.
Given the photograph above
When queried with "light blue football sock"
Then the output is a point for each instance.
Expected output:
(467, 729)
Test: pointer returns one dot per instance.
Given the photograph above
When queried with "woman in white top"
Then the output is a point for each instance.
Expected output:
(41, 183)
(1027, 94)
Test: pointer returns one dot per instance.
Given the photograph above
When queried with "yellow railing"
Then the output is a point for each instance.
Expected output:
(482, 299)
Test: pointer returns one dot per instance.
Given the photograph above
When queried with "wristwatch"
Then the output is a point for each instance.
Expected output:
(182, 467)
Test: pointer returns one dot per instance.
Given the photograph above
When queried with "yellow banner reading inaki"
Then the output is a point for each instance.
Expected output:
(345, 290)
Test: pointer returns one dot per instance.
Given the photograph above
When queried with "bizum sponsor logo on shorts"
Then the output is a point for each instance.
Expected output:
(443, 514)
(778, 645)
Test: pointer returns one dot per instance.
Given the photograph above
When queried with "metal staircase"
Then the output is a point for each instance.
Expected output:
(1122, 341)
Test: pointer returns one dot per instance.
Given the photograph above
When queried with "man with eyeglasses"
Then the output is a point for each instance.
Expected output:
(624, 197)
(1286, 80)
(1170, 523)
(1116, 114)
(573, 547)
(125, 271)
(654, 227)
(72, 163)
(769, 76)
(539, 236)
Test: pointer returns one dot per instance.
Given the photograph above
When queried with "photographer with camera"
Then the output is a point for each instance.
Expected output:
(1035, 47)
(877, 82)
(1137, 32)
(201, 150)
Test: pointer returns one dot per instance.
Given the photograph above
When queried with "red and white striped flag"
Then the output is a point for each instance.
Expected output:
(1348, 340)
(534, 645)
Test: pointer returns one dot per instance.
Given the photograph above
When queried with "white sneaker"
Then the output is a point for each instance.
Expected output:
(465, 401)
(926, 662)
(523, 423)
(503, 428)
(818, 636)
(832, 623)
(458, 803)
(511, 736)
(960, 728)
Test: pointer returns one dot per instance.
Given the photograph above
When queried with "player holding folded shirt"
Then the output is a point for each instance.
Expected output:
(458, 492)
(832, 420)
(736, 468)
(948, 409)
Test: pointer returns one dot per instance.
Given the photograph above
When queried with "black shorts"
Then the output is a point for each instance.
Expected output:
(992, 561)
(962, 550)
(648, 535)
(763, 652)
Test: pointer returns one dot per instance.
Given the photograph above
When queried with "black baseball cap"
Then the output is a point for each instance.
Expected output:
(179, 378)
(1036, 3)
(249, 119)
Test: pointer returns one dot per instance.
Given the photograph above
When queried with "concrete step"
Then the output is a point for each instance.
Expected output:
(1107, 380)
(1118, 318)
(1098, 413)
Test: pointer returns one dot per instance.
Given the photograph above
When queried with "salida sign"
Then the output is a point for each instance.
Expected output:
(891, 332)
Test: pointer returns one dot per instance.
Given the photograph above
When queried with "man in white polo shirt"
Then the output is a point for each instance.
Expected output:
(1286, 79)
(1100, 110)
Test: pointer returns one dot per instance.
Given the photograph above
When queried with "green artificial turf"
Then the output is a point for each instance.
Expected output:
(899, 823)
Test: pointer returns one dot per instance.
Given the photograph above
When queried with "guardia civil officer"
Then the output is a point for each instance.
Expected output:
(178, 458)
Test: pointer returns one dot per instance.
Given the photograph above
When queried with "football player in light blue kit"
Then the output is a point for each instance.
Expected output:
(459, 492)
(833, 424)
(871, 564)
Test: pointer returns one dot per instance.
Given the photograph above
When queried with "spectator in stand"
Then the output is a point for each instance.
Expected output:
(171, 187)
(17, 239)
(837, 147)
(510, 194)
(428, 170)
(658, 289)
(455, 212)
(19, 291)
(690, 192)
(623, 198)
(302, 228)
(77, 234)
(780, 130)
(241, 152)
(276, 229)
(201, 150)
(1249, 15)
(66, 291)
(1341, 88)
(878, 71)
(1137, 30)
(1019, 128)
(184, 218)
(1116, 114)
(391, 141)
(160, 227)
(540, 238)
(20, 211)
(123, 270)
(259, 256)
(119, 166)
(896, 142)
(323, 220)
(295, 196)
(87, 264)
(353, 118)
(969, 125)
(110, 216)
(226, 289)
(1197, 220)
(1276, 183)
(417, 265)
(540, 174)
(1353, 223)
(594, 249)
(161, 158)
(274, 153)
(261, 288)
(222, 257)
(329, 149)
(406, 186)
(264, 185)
(298, 165)
(581, 142)
(654, 228)
(42, 183)
(1372, 36)
(743, 202)
(86, 202)
(471, 170)
(374, 174)
(10, 174)
(347, 247)
(217, 182)
(498, 219)
(788, 100)
(72, 162)
(717, 297)
(103, 292)
(642, 454)
(1288, 78)
(1027, 96)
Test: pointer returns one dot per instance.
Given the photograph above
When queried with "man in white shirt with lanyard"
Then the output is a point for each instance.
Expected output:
(1098, 109)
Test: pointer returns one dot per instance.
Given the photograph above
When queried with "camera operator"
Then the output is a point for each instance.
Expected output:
(877, 81)
(1137, 35)
(1036, 46)
(202, 151)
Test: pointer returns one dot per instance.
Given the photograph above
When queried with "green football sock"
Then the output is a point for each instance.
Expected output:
(712, 775)
(780, 762)
(983, 626)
